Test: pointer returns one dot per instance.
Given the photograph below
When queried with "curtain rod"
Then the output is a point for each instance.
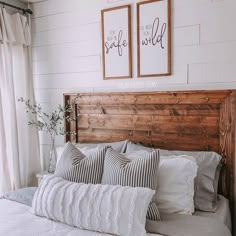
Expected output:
(18, 8)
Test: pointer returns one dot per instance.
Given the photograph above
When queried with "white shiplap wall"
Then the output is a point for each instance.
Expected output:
(67, 49)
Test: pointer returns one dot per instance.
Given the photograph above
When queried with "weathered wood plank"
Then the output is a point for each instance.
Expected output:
(149, 98)
(165, 139)
(189, 133)
(162, 110)
(158, 100)
(144, 122)
(168, 144)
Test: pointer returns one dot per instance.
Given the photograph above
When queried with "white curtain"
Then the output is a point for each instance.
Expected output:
(19, 143)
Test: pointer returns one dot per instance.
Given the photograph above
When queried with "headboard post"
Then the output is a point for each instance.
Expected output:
(227, 146)
(71, 127)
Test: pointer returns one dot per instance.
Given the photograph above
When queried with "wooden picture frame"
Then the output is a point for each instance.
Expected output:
(116, 42)
(154, 38)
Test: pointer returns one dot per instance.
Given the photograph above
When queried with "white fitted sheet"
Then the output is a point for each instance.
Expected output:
(222, 212)
(16, 220)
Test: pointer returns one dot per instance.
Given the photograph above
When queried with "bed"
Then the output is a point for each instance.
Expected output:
(222, 213)
(16, 220)
(178, 120)
(191, 121)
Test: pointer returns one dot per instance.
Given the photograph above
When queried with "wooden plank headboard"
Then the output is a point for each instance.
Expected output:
(190, 120)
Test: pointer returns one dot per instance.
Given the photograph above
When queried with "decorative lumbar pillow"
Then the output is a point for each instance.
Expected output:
(77, 167)
(206, 182)
(102, 208)
(175, 187)
(138, 170)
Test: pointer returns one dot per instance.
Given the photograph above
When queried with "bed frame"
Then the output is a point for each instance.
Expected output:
(189, 120)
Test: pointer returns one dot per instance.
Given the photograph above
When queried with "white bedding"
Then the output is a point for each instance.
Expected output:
(222, 212)
(16, 220)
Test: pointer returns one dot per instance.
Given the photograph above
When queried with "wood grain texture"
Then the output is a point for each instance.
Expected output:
(227, 147)
(189, 120)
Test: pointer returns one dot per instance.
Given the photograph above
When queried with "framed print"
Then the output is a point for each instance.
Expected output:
(116, 42)
(154, 38)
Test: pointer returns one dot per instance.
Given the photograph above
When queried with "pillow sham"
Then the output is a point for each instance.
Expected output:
(132, 147)
(117, 146)
(206, 182)
(101, 208)
(77, 167)
(135, 172)
(175, 184)
(60, 150)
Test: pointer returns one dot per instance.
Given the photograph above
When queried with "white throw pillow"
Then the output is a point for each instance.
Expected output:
(207, 179)
(102, 208)
(175, 188)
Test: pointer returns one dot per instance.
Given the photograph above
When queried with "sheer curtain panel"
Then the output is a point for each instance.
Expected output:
(19, 143)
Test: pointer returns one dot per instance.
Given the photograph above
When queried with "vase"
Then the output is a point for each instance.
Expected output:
(52, 155)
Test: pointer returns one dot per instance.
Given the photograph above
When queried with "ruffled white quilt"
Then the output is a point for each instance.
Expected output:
(16, 220)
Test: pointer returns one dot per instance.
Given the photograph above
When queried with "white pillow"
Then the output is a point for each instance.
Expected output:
(102, 208)
(175, 188)
(59, 151)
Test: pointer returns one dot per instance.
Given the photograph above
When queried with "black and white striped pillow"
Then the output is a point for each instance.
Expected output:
(141, 171)
(81, 168)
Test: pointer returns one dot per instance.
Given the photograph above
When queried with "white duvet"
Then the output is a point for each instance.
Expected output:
(16, 220)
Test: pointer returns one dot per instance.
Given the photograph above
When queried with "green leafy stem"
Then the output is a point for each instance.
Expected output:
(51, 122)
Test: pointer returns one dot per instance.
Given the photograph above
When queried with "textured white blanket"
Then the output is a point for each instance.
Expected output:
(16, 220)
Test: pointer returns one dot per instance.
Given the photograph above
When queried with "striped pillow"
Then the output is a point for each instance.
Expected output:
(81, 168)
(141, 171)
